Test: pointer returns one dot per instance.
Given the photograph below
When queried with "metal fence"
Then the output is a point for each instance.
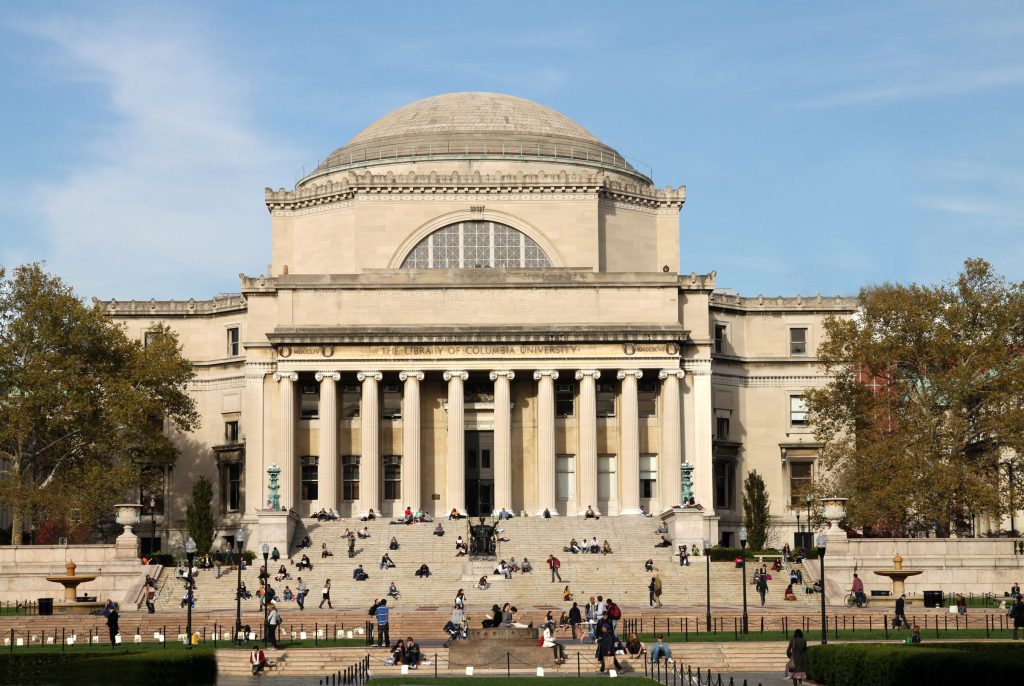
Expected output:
(355, 674)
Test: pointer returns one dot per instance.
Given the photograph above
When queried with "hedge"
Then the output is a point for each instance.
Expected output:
(899, 664)
(152, 668)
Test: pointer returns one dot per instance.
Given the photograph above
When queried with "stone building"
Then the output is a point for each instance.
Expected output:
(477, 304)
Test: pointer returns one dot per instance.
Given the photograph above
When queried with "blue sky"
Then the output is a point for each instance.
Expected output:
(824, 146)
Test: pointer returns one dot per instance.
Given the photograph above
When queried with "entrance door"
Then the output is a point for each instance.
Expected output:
(479, 473)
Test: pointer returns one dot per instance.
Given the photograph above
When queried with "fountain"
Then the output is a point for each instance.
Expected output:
(898, 575)
(70, 582)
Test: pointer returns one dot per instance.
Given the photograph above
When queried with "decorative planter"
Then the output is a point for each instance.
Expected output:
(835, 509)
(127, 516)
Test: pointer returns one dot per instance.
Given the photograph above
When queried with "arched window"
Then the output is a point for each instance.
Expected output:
(477, 244)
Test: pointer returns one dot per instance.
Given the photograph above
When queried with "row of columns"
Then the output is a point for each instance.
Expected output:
(586, 455)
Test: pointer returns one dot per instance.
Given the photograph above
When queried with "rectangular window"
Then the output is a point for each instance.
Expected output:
(605, 400)
(565, 399)
(606, 478)
(350, 477)
(149, 338)
(798, 341)
(565, 477)
(234, 479)
(648, 476)
(392, 477)
(233, 347)
(719, 337)
(797, 411)
(722, 428)
(725, 483)
(231, 431)
(350, 396)
(391, 405)
(309, 400)
(310, 477)
(647, 399)
(799, 482)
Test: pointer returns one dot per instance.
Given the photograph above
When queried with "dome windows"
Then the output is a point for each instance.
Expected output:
(476, 245)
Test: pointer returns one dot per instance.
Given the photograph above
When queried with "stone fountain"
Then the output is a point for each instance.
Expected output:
(898, 575)
(70, 581)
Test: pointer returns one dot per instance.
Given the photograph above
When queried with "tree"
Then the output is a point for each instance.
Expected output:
(199, 515)
(76, 394)
(922, 424)
(756, 507)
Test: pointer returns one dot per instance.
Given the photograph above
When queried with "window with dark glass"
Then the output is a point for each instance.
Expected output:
(350, 397)
(309, 400)
(350, 477)
(719, 337)
(476, 244)
(797, 411)
(310, 477)
(233, 347)
(648, 476)
(234, 483)
(605, 400)
(799, 481)
(391, 401)
(392, 477)
(231, 431)
(725, 483)
(565, 399)
(722, 428)
(798, 341)
(647, 398)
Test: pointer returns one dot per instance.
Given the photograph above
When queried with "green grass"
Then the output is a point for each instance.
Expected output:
(128, 666)
(503, 681)
(814, 634)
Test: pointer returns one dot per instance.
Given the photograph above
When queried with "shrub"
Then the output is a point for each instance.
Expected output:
(152, 668)
(898, 664)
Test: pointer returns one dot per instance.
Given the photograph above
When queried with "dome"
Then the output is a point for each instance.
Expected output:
(473, 126)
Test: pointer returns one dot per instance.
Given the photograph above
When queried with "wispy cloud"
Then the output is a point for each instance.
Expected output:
(173, 183)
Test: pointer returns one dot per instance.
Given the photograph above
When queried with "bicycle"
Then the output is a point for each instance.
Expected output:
(851, 600)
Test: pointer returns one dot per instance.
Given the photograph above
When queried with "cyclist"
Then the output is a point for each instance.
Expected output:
(858, 592)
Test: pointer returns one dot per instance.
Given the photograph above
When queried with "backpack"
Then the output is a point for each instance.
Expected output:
(373, 610)
(614, 612)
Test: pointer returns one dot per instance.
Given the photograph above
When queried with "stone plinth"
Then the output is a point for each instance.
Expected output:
(500, 646)
(275, 529)
(690, 526)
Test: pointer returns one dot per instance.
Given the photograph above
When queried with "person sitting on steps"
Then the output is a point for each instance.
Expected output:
(590, 514)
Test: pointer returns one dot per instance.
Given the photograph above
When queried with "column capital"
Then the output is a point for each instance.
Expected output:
(334, 376)
(406, 375)
(363, 376)
(665, 373)
(580, 373)
(286, 376)
(553, 373)
(506, 373)
(623, 373)
(453, 374)
(698, 367)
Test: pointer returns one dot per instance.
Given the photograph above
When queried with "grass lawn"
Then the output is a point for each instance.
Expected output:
(497, 681)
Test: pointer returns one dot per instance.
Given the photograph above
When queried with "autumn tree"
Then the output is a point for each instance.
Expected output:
(923, 422)
(756, 510)
(76, 396)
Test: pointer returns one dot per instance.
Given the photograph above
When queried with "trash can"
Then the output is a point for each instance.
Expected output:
(46, 606)
(933, 598)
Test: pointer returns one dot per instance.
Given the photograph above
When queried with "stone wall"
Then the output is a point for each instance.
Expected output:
(23, 572)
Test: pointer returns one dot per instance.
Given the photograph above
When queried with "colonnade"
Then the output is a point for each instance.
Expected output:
(670, 446)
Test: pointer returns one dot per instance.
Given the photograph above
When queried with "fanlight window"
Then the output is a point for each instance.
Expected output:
(469, 245)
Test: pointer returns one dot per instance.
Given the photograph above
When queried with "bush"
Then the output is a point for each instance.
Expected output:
(720, 554)
(162, 558)
(898, 664)
(152, 668)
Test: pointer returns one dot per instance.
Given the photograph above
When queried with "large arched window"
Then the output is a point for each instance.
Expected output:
(476, 244)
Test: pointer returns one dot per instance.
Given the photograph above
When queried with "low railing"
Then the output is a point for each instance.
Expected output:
(355, 674)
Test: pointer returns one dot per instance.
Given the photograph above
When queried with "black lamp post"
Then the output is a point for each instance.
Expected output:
(152, 522)
(743, 566)
(190, 552)
(240, 540)
(798, 529)
(821, 562)
(707, 555)
(808, 500)
(266, 584)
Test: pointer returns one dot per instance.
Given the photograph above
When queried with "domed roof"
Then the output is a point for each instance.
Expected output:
(473, 126)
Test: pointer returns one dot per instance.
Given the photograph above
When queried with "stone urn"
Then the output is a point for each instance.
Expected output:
(127, 516)
(835, 509)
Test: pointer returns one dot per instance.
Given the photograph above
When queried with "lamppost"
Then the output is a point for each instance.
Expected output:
(190, 552)
(707, 555)
(798, 529)
(240, 540)
(266, 584)
(821, 562)
(743, 566)
(808, 499)
(152, 522)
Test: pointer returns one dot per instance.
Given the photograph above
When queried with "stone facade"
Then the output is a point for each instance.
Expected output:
(478, 311)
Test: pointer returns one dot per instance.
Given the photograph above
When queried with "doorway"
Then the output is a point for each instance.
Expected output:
(479, 473)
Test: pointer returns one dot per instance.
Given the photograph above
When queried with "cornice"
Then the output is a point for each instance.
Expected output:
(227, 303)
(797, 303)
(216, 384)
(770, 380)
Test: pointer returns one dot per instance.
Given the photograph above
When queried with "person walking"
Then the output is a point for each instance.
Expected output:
(112, 618)
(796, 651)
(553, 564)
(326, 595)
(575, 619)
(300, 594)
(1017, 614)
(150, 600)
(606, 645)
(657, 590)
(650, 593)
(762, 586)
(273, 621)
(383, 632)
(900, 620)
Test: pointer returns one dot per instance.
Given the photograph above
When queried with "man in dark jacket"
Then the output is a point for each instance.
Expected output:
(1017, 613)
(113, 616)
(606, 645)
(900, 620)
(575, 618)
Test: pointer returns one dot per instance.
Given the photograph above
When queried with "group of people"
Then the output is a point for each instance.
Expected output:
(411, 517)
(325, 515)
(593, 547)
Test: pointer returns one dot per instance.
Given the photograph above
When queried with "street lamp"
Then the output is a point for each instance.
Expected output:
(743, 566)
(808, 499)
(152, 522)
(240, 540)
(266, 585)
(821, 562)
(707, 555)
(798, 529)
(190, 552)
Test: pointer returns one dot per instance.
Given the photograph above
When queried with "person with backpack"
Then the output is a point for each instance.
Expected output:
(553, 564)
(575, 619)
(614, 614)
(369, 625)
(273, 621)
(606, 647)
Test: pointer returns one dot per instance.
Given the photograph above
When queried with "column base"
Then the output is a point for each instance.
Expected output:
(631, 511)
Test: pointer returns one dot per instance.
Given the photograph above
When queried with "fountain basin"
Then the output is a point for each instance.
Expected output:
(70, 582)
(898, 575)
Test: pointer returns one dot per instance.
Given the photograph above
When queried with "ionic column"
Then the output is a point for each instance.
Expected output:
(670, 454)
(586, 453)
(252, 426)
(411, 485)
(502, 439)
(369, 432)
(328, 470)
(286, 438)
(629, 442)
(702, 447)
(456, 486)
(546, 469)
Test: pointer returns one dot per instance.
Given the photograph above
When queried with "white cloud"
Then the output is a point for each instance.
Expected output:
(171, 199)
